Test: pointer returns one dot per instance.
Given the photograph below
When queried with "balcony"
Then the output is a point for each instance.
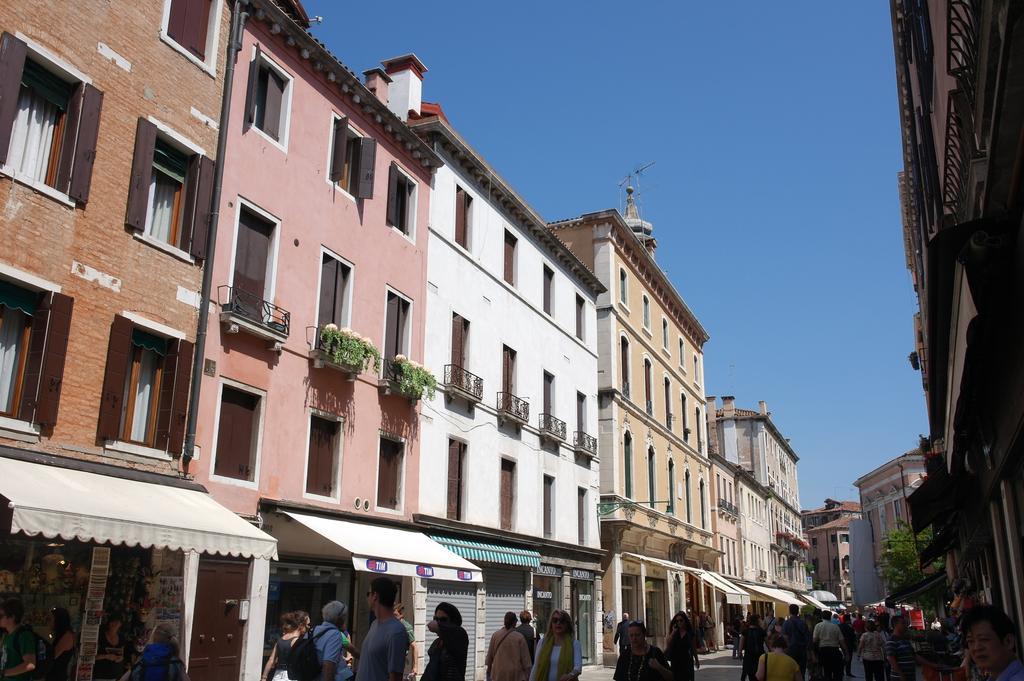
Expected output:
(551, 428)
(458, 381)
(625, 389)
(244, 311)
(584, 444)
(513, 409)
(762, 576)
(728, 508)
(391, 381)
(650, 408)
(668, 421)
(322, 355)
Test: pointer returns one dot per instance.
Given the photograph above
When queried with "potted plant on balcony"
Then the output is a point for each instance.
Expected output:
(347, 350)
(412, 379)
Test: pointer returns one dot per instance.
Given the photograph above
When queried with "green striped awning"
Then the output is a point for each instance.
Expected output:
(490, 553)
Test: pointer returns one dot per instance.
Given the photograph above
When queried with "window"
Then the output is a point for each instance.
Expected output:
(671, 487)
(627, 465)
(170, 191)
(682, 355)
(396, 329)
(463, 201)
(581, 308)
(668, 403)
(352, 159)
(188, 24)
(664, 333)
(623, 287)
(34, 331)
(897, 510)
(696, 418)
(401, 201)
(686, 425)
(456, 472)
(549, 394)
(508, 370)
(460, 339)
(254, 245)
(322, 457)
(652, 492)
(48, 124)
(510, 258)
(696, 377)
(549, 506)
(389, 473)
(647, 312)
(268, 98)
(581, 516)
(145, 387)
(334, 292)
(624, 364)
(689, 498)
(647, 387)
(238, 424)
(581, 412)
(844, 539)
(703, 505)
(507, 491)
(549, 282)
(833, 538)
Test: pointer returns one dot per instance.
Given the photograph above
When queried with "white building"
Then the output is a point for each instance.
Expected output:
(509, 469)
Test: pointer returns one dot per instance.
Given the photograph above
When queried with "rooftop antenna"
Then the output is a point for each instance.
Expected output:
(632, 180)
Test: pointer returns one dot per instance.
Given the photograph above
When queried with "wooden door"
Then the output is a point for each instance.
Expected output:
(508, 369)
(507, 491)
(217, 632)
(459, 341)
(581, 412)
(251, 254)
(549, 385)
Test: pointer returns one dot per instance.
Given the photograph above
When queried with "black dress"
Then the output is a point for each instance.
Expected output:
(630, 667)
(753, 648)
(447, 654)
(680, 652)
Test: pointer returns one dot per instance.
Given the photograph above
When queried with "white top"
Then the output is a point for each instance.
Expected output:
(577, 660)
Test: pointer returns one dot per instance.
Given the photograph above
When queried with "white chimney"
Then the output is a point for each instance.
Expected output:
(763, 408)
(405, 92)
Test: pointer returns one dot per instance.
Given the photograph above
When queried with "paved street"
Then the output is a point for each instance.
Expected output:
(713, 667)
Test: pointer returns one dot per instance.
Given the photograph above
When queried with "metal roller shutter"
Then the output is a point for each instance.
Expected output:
(463, 597)
(506, 590)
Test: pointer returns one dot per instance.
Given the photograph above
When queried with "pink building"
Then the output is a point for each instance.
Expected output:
(323, 221)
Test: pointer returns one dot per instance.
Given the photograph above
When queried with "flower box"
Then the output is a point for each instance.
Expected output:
(407, 378)
(344, 350)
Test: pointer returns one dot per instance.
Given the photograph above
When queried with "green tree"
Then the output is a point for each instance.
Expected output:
(901, 564)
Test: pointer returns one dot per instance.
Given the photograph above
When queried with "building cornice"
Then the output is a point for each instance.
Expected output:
(339, 79)
(913, 455)
(767, 418)
(655, 279)
(436, 131)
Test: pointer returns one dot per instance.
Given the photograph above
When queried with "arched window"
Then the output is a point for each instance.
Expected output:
(627, 464)
(668, 403)
(624, 364)
(647, 387)
(671, 487)
(623, 290)
(703, 506)
(651, 487)
(664, 333)
(647, 313)
(689, 499)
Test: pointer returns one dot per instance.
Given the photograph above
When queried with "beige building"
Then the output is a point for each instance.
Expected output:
(828, 531)
(656, 503)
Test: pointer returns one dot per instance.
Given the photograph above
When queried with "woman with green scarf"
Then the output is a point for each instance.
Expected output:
(559, 656)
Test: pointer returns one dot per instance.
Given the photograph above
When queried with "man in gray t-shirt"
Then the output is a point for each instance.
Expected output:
(382, 655)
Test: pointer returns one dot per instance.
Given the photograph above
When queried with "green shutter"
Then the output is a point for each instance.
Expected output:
(18, 298)
(170, 161)
(148, 341)
(46, 85)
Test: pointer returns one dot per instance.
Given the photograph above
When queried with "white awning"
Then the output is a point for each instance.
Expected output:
(380, 549)
(667, 564)
(814, 601)
(733, 593)
(61, 502)
(772, 594)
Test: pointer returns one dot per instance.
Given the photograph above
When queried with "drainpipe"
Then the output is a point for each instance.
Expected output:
(239, 14)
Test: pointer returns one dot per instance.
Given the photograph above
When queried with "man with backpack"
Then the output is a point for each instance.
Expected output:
(19, 649)
(319, 655)
(799, 637)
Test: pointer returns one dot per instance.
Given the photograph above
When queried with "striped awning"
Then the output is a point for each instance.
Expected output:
(490, 553)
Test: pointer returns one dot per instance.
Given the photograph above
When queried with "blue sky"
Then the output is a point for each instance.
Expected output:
(775, 136)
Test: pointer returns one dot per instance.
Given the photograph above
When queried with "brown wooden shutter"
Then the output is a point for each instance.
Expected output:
(460, 216)
(328, 295)
(320, 467)
(166, 397)
(389, 473)
(250, 88)
(34, 361)
(142, 171)
(549, 486)
(191, 200)
(549, 382)
(458, 341)
(112, 398)
(235, 433)
(251, 253)
(403, 314)
(58, 329)
(391, 327)
(177, 21)
(12, 64)
(549, 277)
(581, 412)
(275, 99)
(510, 258)
(647, 380)
(507, 368)
(338, 149)
(67, 143)
(507, 492)
(580, 308)
(455, 449)
(179, 399)
(367, 170)
(85, 144)
(197, 25)
(201, 216)
(624, 361)
(581, 515)
(392, 216)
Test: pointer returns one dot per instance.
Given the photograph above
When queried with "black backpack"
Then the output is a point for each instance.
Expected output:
(303, 664)
(43, 652)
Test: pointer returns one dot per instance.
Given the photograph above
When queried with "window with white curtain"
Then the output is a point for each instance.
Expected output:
(39, 124)
(14, 333)
(166, 190)
(142, 388)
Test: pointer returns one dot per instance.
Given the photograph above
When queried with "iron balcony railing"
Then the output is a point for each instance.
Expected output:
(650, 408)
(728, 507)
(513, 407)
(469, 384)
(962, 44)
(584, 443)
(625, 389)
(668, 421)
(549, 425)
(252, 308)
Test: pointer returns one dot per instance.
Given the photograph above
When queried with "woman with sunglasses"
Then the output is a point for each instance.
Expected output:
(447, 654)
(559, 656)
(643, 662)
(681, 648)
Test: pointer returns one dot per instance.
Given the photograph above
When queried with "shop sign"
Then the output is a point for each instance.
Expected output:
(424, 571)
(375, 565)
(548, 570)
(543, 595)
(465, 575)
(583, 574)
(584, 598)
